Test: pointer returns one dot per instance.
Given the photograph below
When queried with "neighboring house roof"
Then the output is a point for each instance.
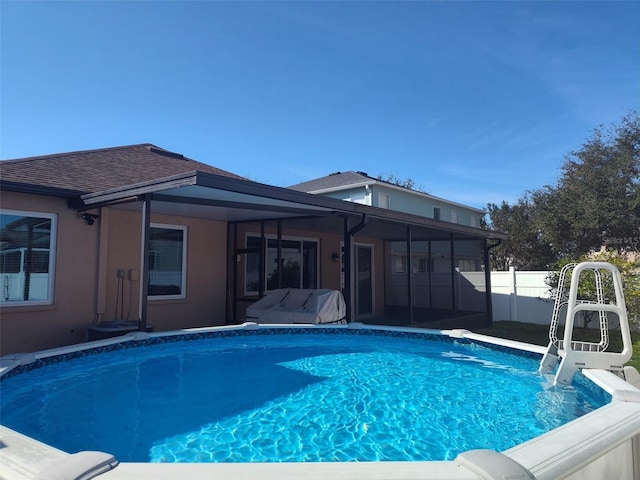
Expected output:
(338, 181)
(97, 170)
(334, 182)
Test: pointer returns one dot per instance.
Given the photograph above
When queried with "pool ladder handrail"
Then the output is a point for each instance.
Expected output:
(579, 354)
(562, 300)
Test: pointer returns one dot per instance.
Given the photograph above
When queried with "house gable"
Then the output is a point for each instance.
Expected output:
(358, 187)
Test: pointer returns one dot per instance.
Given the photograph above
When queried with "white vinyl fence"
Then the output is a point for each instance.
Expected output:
(521, 297)
(524, 297)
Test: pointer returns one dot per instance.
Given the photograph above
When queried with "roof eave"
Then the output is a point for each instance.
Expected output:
(31, 189)
(218, 182)
(341, 187)
(314, 203)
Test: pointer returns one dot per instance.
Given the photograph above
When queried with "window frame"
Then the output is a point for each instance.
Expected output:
(386, 199)
(267, 237)
(183, 284)
(53, 235)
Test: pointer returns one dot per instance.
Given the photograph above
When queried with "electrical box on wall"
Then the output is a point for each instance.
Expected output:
(133, 275)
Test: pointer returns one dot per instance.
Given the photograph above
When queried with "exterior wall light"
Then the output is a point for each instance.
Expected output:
(89, 218)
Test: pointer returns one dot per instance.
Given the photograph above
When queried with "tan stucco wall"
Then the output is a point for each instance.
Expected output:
(205, 303)
(329, 269)
(87, 289)
(25, 329)
(86, 281)
(206, 268)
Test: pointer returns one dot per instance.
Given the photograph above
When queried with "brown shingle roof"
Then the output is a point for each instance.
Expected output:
(334, 180)
(97, 170)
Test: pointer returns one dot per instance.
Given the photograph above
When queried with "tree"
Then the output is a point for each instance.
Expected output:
(596, 201)
(408, 182)
(629, 273)
(525, 248)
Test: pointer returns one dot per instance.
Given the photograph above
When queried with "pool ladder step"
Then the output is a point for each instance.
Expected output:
(574, 355)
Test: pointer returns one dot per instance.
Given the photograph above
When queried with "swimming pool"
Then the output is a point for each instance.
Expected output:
(275, 375)
(293, 395)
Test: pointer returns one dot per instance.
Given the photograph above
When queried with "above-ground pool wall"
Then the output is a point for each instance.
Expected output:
(600, 445)
(621, 462)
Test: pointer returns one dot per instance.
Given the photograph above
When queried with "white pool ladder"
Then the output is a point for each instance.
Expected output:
(577, 354)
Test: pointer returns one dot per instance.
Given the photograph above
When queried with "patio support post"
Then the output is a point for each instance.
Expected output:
(232, 296)
(409, 276)
(454, 303)
(487, 279)
(263, 248)
(144, 278)
(430, 270)
(346, 258)
(279, 261)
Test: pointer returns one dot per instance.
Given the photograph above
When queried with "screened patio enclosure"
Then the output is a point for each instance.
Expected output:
(444, 280)
(390, 266)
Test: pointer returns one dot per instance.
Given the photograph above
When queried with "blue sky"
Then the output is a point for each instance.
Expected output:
(475, 101)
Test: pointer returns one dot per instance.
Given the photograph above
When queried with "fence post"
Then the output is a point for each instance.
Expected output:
(513, 293)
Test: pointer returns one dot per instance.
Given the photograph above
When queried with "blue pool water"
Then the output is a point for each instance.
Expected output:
(292, 397)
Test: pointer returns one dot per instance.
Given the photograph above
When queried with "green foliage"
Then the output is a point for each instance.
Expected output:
(629, 272)
(408, 182)
(525, 248)
(597, 198)
(539, 335)
(594, 203)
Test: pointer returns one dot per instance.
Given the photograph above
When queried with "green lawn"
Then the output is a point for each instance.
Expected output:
(539, 335)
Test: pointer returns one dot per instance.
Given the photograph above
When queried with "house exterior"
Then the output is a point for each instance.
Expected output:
(141, 234)
(361, 188)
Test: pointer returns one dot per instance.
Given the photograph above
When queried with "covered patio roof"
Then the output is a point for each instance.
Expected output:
(232, 200)
(216, 197)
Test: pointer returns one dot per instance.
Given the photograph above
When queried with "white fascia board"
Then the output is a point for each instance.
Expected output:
(342, 187)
